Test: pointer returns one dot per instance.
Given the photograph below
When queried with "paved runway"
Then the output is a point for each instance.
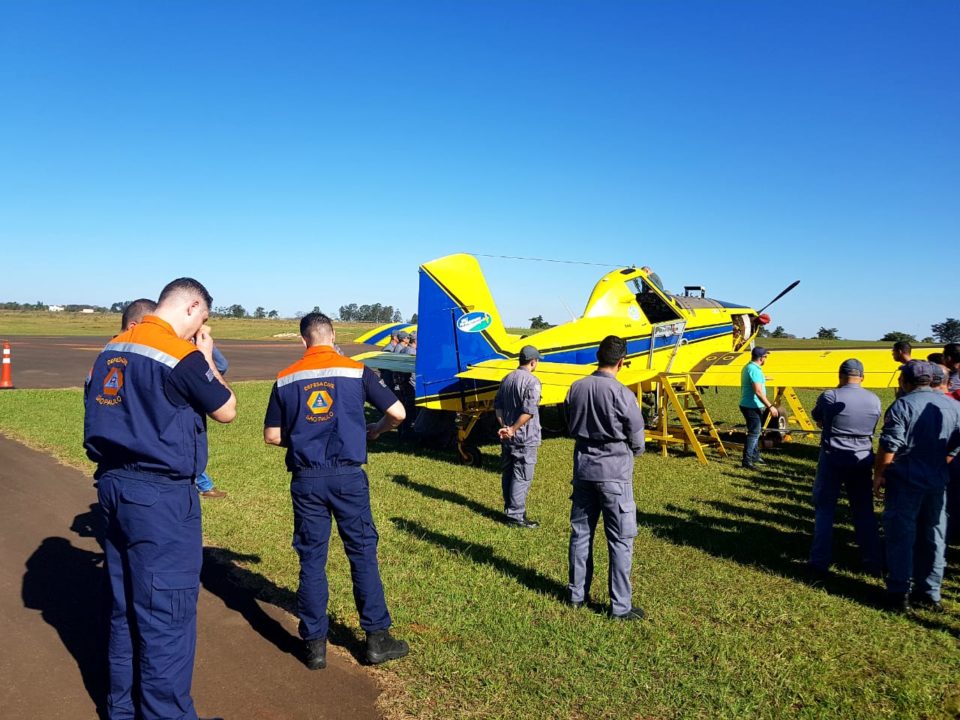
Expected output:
(41, 361)
(52, 657)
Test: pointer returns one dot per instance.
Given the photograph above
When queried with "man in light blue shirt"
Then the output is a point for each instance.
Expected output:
(754, 405)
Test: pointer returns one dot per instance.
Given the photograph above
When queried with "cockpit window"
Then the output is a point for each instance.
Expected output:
(651, 303)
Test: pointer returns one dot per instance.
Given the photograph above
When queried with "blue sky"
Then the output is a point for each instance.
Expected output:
(299, 154)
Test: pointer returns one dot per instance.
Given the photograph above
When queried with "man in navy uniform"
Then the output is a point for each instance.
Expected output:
(316, 411)
(605, 420)
(517, 408)
(150, 391)
(920, 429)
(848, 415)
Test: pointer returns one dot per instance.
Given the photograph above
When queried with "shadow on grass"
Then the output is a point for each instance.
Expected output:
(436, 493)
(484, 555)
(240, 588)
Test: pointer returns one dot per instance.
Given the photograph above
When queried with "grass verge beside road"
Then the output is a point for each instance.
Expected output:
(736, 628)
(106, 324)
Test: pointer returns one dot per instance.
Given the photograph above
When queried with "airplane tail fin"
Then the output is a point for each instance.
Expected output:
(458, 325)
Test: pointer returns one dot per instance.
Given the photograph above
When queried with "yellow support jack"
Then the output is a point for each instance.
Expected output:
(798, 414)
(678, 393)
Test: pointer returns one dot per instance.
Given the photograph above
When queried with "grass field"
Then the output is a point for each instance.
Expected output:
(736, 629)
(105, 325)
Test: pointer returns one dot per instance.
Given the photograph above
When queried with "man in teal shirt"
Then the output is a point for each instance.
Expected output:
(754, 405)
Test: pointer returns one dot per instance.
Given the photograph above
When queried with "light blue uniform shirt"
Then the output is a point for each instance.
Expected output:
(751, 374)
(921, 428)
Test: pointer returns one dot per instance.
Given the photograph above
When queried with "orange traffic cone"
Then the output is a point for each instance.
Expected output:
(6, 377)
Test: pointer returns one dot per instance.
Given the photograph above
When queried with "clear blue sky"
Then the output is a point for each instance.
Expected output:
(299, 154)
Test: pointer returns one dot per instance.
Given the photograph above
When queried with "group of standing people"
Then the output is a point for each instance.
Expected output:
(914, 470)
(604, 419)
(147, 400)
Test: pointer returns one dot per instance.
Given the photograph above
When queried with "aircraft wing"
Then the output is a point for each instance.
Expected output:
(801, 368)
(555, 378)
(388, 361)
(381, 335)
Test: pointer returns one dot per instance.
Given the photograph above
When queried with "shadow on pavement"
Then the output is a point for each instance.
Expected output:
(67, 585)
(240, 589)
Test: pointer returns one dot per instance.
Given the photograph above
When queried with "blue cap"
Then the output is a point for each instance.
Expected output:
(917, 372)
(851, 367)
(759, 352)
(937, 375)
(528, 353)
(404, 335)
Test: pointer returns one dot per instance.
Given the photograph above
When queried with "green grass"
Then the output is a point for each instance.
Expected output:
(107, 324)
(735, 630)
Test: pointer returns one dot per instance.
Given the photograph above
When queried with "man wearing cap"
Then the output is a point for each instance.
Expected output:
(848, 415)
(604, 418)
(517, 408)
(754, 405)
(920, 429)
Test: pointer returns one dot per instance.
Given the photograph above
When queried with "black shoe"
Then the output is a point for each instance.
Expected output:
(523, 522)
(922, 602)
(759, 461)
(577, 605)
(748, 466)
(818, 574)
(382, 646)
(316, 657)
(898, 603)
(634, 613)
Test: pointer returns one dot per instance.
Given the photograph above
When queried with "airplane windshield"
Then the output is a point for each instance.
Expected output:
(653, 306)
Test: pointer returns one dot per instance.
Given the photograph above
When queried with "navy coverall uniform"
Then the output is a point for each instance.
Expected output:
(518, 394)
(848, 415)
(605, 420)
(145, 427)
(921, 427)
(318, 405)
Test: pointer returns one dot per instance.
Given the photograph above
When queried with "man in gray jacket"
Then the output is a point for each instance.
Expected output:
(517, 408)
(605, 420)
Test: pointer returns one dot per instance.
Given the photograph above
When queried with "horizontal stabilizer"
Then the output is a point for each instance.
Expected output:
(394, 362)
(555, 378)
(381, 335)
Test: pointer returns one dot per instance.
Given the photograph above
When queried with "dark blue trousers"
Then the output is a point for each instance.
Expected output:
(914, 523)
(344, 495)
(154, 549)
(856, 479)
(751, 445)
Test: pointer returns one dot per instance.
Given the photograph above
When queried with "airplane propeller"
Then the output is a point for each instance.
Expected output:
(789, 287)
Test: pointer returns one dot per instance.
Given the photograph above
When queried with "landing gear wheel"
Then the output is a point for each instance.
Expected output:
(470, 456)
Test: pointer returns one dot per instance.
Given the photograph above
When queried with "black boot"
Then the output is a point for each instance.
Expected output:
(316, 658)
(382, 646)
(899, 602)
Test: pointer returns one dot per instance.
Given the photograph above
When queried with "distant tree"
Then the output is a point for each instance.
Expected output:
(220, 311)
(413, 319)
(538, 323)
(40, 305)
(827, 334)
(779, 332)
(948, 331)
(397, 317)
(119, 307)
(236, 311)
(272, 314)
(348, 313)
(299, 314)
(260, 313)
(316, 309)
(927, 340)
(897, 336)
(762, 332)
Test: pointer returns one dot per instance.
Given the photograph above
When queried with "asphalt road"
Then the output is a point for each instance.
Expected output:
(41, 361)
(51, 582)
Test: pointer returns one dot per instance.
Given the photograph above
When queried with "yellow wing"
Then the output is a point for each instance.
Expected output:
(555, 378)
(801, 368)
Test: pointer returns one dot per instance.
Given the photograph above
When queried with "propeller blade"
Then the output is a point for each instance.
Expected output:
(789, 287)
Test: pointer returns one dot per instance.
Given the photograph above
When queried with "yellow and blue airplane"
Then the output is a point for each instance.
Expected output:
(465, 350)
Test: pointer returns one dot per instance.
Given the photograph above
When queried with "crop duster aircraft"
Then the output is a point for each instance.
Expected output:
(675, 344)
